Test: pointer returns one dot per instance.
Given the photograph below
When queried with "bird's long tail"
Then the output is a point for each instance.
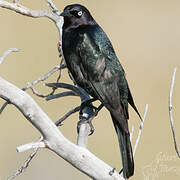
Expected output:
(126, 150)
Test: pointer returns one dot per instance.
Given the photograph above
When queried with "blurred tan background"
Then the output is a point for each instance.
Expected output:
(146, 37)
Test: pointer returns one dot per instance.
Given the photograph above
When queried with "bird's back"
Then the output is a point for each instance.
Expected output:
(90, 44)
(101, 40)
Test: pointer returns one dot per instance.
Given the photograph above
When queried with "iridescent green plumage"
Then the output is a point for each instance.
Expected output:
(95, 67)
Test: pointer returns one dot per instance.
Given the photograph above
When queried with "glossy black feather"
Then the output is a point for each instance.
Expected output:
(91, 60)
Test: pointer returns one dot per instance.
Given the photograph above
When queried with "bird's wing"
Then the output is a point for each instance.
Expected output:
(101, 68)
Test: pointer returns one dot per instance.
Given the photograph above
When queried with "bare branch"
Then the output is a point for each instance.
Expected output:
(54, 140)
(65, 86)
(28, 12)
(171, 113)
(83, 135)
(77, 90)
(74, 110)
(54, 16)
(41, 78)
(63, 94)
(44, 77)
(25, 165)
(33, 145)
(53, 7)
(140, 129)
(6, 53)
(79, 157)
(85, 127)
(132, 132)
(37, 93)
(3, 107)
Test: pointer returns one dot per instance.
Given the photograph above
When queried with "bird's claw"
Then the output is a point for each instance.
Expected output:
(91, 128)
(84, 119)
(111, 172)
(83, 105)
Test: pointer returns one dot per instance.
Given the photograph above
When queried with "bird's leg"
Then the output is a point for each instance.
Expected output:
(87, 103)
(89, 119)
(121, 171)
(98, 109)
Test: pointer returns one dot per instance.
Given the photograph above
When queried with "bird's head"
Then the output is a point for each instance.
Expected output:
(76, 15)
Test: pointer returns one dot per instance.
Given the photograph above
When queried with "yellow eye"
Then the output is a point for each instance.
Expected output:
(80, 13)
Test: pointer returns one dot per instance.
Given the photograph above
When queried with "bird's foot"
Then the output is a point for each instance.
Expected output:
(94, 108)
(111, 172)
(87, 103)
(84, 119)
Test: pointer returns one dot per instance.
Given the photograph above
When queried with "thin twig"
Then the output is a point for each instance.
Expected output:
(171, 113)
(132, 132)
(60, 72)
(28, 12)
(54, 16)
(6, 53)
(37, 93)
(41, 78)
(63, 94)
(44, 77)
(140, 130)
(77, 90)
(53, 134)
(74, 110)
(25, 165)
(53, 7)
(79, 157)
(65, 86)
(3, 106)
(33, 145)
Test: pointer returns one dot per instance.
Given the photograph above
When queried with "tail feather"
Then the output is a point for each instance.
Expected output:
(126, 150)
(131, 102)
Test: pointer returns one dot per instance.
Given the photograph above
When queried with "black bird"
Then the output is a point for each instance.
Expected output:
(94, 66)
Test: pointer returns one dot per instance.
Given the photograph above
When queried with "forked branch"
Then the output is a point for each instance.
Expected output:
(16, 7)
(78, 156)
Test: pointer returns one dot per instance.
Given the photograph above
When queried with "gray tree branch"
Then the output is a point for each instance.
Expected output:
(53, 139)
(77, 155)
(140, 129)
(16, 7)
(171, 113)
(7, 52)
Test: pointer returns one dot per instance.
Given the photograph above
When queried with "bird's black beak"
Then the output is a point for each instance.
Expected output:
(65, 13)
